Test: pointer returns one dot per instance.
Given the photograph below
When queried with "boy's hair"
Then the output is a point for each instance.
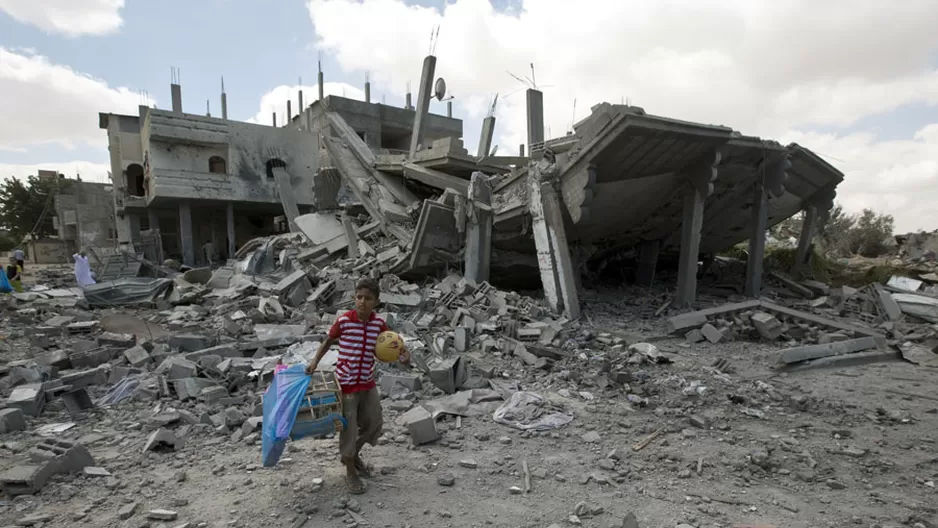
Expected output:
(369, 284)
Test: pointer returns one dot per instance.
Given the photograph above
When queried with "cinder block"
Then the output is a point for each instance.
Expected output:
(68, 457)
(137, 356)
(30, 398)
(390, 381)
(77, 401)
(85, 378)
(26, 480)
(768, 325)
(421, 426)
(90, 358)
(12, 420)
(117, 340)
(190, 342)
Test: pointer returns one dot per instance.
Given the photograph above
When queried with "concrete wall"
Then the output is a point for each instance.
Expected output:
(178, 148)
(86, 215)
(48, 251)
(381, 126)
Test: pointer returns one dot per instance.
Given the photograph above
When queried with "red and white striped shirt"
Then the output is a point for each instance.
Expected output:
(355, 368)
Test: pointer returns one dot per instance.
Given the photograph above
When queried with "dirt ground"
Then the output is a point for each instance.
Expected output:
(833, 448)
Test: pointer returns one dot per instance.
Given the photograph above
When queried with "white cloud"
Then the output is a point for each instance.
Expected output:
(45, 103)
(762, 67)
(275, 100)
(89, 171)
(68, 17)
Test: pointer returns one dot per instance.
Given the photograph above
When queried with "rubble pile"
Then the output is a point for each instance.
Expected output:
(128, 406)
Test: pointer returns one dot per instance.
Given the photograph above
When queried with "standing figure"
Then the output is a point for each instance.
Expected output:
(14, 275)
(83, 270)
(20, 258)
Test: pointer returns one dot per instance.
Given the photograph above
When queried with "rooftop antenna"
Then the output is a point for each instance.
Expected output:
(434, 38)
(530, 83)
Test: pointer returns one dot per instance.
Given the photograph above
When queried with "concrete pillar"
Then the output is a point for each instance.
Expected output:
(134, 228)
(214, 237)
(408, 104)
(224, 105)
(478, 254)
(351, 235)
(550, 238)
(485, 138)
(175, 91)
(521, 150)
(423, 103)
(186, 241)
(449, 109)
(647, 262)
(535, 112)
(757, 240)
(700, 186)
(154, 219)
(289, 118)
(300, 108)
(367, 92)
(232, 244)
(322, 89)
(808, 228)
(768, 181)
(274, 115)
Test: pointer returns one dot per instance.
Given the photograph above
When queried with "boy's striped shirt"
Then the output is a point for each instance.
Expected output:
(355, 368)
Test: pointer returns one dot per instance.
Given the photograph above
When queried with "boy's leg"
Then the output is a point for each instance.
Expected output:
(348, 440)
(370, 424)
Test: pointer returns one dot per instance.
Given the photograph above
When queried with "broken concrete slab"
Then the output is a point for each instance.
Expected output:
(691, 320)
(29, 398)
(66, 456)
(162, 439)
(26, 479)
(711, 333)
(768, 326)
(320, 228)
(890, 307)
(137, 356)
(421, 426)
(805, 353)
(12, 419)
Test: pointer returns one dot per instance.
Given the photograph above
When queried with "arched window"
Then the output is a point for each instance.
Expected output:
(217, 165)
(135, 184)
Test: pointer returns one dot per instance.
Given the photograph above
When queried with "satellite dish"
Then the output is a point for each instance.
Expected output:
(439, 89)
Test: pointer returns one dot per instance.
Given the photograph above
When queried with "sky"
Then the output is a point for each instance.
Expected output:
(854, 80)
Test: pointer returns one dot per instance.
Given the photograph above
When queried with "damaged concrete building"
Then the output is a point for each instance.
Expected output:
(623, 182)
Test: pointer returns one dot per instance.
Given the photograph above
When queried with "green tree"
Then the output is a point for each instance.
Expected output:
(870, 233)
(22, 205)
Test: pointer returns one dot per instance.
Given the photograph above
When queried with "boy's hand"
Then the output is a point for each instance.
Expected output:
(404, 357)
(313, 365)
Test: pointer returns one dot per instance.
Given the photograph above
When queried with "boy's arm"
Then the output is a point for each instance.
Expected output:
(323, 348)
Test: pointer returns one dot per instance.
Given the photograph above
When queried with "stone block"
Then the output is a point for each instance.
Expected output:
(190, 388)
(251, 425)
(54, 358)
(12, 420)
(116, 340)
(233, 417)
(119, 373)
(391, 381)
(190, 342)
(27, 479)
(448, 374)
(90, 358)
(177, 367)
(224, 351)
(421, 426)
(711, 333)
(30, 399)
(163, 439)
(160, 352)
(212, 395)
(694, 336)
(209, 361)
(85, 378)
(77, 401)
(137, 356)
(461, 338)
(67, 456)
(768, 326)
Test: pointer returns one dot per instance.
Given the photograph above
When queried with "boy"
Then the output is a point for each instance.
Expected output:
(15, 275)
(356, 332)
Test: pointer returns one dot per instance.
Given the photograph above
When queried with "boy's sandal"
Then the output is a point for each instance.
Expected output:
(354, 489)
(364, 468)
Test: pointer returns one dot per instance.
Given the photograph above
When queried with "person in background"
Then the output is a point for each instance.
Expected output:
(20, 258)
(83, 270)
(208, 251)
(14, 275)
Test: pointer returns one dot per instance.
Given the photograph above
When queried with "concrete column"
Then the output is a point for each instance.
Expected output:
(134, 227)
(351, 235)
(485, 139)
(423, 103)
(478, 254)
(175, 92)
(322, 89)
(232, 244)
(186, 241)
(449, 109)
(757, 240)
(700, 186)
(408, 103)
(224, 105)
(214, 235)
(770, 181)
(367, 92)
(550, 238)
(521, 150)
(300, 108)
(808, 228)
(289, 118)
(647, 262)
(154, 219)
(535, 111)
(274, 114)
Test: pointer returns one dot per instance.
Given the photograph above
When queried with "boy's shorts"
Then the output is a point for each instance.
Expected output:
(365, 422)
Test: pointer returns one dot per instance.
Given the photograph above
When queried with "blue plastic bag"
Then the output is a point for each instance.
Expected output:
(5, 286)
(281, 403)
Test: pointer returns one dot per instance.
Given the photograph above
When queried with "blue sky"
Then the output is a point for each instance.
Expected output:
(762, 67)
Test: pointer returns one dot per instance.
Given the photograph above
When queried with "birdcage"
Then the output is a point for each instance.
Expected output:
(320, 412)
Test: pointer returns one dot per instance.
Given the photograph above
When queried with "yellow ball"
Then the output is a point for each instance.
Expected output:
(389, 346)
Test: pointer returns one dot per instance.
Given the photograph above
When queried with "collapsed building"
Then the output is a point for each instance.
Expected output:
(623, 180)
